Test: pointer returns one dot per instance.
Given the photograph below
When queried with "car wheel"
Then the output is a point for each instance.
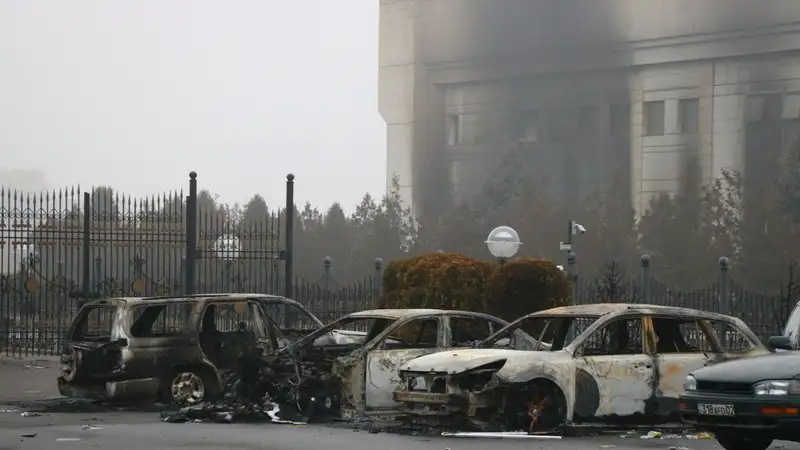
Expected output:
(187, 387)
(72, 364)
(739, 441)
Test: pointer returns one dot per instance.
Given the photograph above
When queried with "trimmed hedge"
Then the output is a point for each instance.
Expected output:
(527, 285)
(455, 281)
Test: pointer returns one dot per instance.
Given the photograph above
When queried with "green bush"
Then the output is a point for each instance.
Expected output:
(526, 285)
(436, 280)
(455, 281)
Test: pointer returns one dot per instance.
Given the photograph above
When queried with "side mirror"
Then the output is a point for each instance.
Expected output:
(780, 343)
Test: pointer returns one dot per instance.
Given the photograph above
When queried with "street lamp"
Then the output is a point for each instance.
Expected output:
(503, 243)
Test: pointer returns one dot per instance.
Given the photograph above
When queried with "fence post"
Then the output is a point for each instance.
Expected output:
(87, 236)
(645, 277)
(289, 251)
(378, 279)
(724, 296)
(573, 276)
(191, 235)
(326, 277)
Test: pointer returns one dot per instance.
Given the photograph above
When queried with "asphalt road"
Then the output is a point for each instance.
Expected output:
(32, 379)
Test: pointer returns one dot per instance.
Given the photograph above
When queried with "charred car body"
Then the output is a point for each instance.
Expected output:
(188, 350)
(180, 349)
(356, 376)
(605, 363)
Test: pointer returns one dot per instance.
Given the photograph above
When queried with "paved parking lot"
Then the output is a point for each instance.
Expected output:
(32, 379)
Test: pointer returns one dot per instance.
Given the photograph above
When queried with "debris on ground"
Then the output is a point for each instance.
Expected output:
(703, 435)
(68, 439)
(90, 427)
(652, 435)
(679, 448)
(499, 435)
(28, 435)
(30, 414)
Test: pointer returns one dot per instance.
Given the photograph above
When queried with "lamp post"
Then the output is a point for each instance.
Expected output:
(573, 228)
(227, 248)
(503, 243)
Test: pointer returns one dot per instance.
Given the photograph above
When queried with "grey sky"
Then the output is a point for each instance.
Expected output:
(135, 94)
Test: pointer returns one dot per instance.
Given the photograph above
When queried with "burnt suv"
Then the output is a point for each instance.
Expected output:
(178, 349)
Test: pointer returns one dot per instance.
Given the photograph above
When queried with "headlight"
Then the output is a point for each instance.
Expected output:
(689, 384)
(777, 387)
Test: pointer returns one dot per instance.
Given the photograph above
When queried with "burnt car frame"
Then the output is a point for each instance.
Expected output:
(357, 379)
(608, 363)
(178, 349)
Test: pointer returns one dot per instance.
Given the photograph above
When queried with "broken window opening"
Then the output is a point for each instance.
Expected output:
(654, 116)
(466, 331)
(95, 323)
(680, 335)
(421, 333)
(555, 333)
(620, 337)
(732, 339)
(164, 320)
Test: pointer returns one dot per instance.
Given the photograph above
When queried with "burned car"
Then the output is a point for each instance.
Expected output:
(605, 363)
(178, 349)
(356, 374)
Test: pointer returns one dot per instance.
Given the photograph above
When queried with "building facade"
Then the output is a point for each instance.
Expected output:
(589, 89)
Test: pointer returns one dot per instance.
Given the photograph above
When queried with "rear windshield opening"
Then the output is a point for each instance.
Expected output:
(95, 323)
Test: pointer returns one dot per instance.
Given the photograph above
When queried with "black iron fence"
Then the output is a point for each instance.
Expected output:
(764, 312)
(60, 248)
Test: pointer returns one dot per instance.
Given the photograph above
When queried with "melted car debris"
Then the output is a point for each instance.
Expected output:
(278, 389)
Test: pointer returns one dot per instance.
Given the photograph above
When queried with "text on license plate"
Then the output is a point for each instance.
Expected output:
(715, 409)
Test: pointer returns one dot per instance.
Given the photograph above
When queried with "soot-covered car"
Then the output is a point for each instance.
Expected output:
(356, 376)
(592, 363)
(179, 349)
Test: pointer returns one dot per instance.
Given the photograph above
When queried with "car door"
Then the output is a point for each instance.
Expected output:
(404, 341)
(615, 357)
(682, 344)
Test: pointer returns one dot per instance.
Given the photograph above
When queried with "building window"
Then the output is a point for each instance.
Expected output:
(689, 115)
(526, 126)
(620, 120)
(589, 121)
(453, 129)
(791, 107)
(654, 118)
(763, 108)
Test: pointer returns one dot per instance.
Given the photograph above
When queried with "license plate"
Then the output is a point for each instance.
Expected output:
(715, 409)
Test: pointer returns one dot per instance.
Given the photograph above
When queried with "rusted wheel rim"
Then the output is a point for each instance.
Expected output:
(69, 364)
(187, 388)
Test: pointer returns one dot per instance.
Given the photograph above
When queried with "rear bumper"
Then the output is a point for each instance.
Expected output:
(750, 412)
(137, 389)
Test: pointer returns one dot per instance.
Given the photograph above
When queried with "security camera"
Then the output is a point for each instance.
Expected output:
(578, 228)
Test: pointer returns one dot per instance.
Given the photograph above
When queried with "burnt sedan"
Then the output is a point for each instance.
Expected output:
(356, 375)
(591, 363)
(747, 403)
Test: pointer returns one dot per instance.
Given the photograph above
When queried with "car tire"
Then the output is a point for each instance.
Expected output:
(731, 440)
(187, 387)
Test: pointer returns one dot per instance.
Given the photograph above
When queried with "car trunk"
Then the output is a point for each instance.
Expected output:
(89, 355)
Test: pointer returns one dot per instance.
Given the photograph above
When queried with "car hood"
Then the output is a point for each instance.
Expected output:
(460, 361)
(777, 366)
